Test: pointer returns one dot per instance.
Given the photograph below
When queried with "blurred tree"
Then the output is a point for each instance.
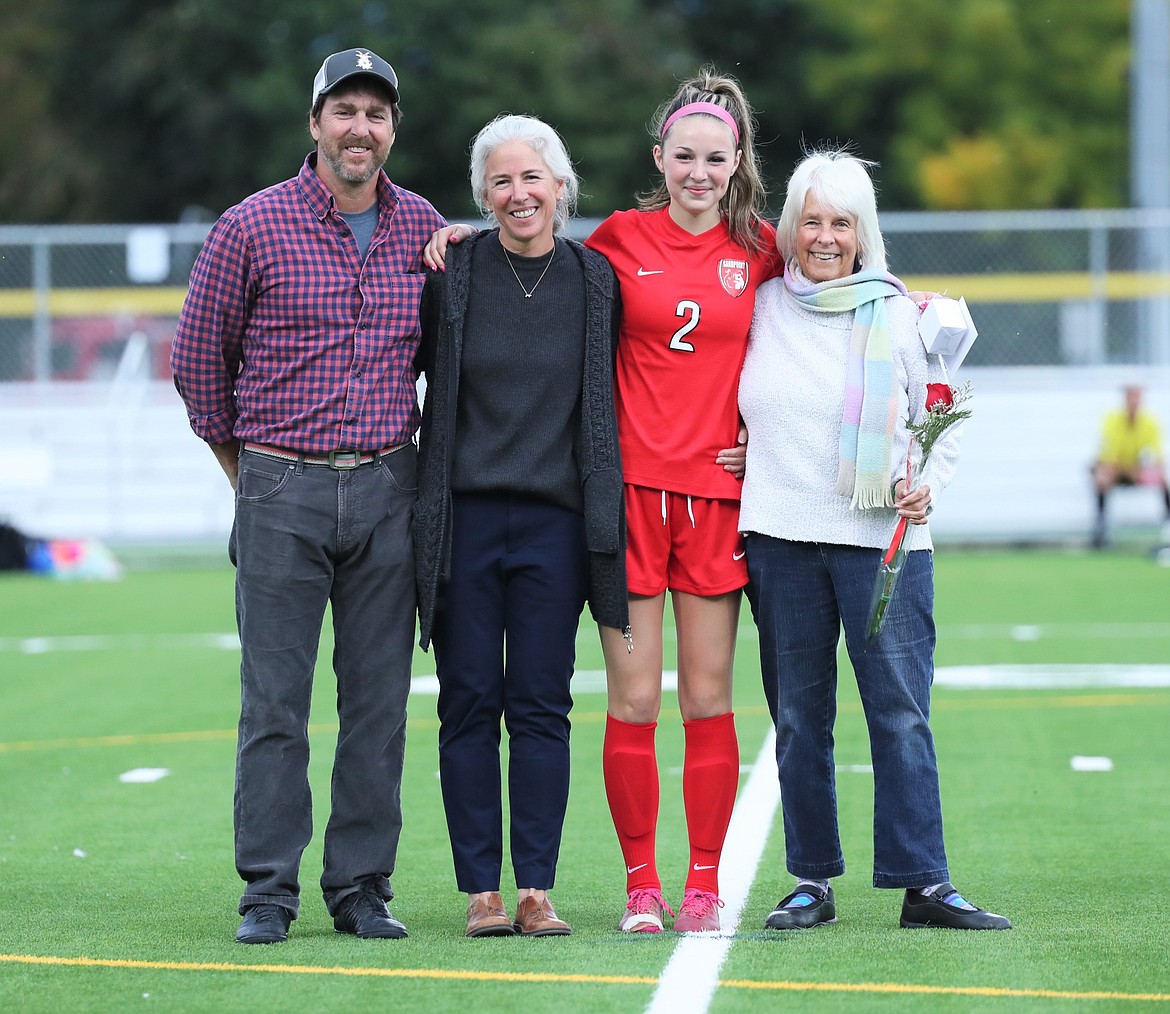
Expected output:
(593, 69)
(151, 110)
(156, 105)
(32, 173)
(769, 46)
(975, 103)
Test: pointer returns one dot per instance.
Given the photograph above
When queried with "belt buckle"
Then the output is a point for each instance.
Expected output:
(354, 459)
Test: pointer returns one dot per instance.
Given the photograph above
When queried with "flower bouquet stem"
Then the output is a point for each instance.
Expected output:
(942, 411)
(887, 579)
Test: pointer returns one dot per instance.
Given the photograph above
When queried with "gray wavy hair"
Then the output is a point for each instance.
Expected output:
(542, 139)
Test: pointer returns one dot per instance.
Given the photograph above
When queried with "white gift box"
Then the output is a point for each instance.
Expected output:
(947, 330)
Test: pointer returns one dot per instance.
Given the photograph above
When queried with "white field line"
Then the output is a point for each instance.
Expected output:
(691, 976)
(119, 642)
(1052, 677)
(959, 677)
(972, 677)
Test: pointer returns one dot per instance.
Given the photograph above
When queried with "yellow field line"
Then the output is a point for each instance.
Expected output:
(132, 739)
(388, 973)
(1087, 700)
(129, 739)
(1014, 287)
(602, 980)
(204, 735)
(907, 988)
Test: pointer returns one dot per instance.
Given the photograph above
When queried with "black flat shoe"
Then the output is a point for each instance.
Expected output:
(922, 911)
(819, 910)
(264, 924)
(365, 915)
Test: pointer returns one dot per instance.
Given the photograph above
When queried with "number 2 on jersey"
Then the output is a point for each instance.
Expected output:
(689, 309)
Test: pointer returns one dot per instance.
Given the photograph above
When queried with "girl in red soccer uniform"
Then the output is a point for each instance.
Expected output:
(688, 261)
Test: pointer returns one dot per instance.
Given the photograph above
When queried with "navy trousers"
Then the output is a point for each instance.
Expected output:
(505, 645)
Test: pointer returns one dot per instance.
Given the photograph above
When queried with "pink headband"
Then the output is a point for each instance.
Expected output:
(702, 107)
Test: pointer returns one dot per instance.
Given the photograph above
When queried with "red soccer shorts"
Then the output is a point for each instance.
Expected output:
(684, 543)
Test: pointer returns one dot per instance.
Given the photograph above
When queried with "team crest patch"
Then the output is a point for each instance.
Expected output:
(733, 275)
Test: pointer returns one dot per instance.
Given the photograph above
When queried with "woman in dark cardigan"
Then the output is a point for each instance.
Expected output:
(520, 516)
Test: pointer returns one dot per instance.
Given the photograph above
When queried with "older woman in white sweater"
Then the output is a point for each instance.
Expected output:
(834, 372)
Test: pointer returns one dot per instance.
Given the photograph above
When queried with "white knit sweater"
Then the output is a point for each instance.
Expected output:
(792, 395)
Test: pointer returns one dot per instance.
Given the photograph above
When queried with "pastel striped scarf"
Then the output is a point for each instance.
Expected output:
(871, 395)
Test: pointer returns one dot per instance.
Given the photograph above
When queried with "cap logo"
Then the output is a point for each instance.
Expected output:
(337, 68)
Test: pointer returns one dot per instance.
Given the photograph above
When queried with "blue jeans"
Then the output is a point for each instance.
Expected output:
(801, 594)
(505, 645)
(306, 536)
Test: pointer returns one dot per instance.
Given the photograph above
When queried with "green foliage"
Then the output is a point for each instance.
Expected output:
(182, 107)
(990, 103)
(585, 67)
(152, 110)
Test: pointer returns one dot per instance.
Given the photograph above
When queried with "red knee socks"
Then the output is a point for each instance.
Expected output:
(710, 782)
(630, 767)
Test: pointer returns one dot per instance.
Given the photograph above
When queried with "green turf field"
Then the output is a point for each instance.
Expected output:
(121, 896)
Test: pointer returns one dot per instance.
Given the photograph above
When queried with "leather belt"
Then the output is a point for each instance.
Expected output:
(339, 460)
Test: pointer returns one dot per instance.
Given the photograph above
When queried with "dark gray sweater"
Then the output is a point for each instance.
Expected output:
(519, 404)
(445, 302)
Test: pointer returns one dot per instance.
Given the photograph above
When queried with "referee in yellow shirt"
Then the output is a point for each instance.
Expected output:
(1131, 455)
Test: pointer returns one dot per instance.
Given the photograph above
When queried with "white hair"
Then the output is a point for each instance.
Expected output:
(543, 140)
(840, 181)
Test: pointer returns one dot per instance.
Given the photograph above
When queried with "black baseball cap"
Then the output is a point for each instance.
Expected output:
(349, 63)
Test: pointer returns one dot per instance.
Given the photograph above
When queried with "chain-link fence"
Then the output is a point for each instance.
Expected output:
(82, 302)
(1045, 288)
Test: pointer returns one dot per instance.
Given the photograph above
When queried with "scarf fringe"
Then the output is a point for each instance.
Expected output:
(869, 500)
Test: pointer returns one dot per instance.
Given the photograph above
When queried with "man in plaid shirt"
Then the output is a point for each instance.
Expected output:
(294, 357)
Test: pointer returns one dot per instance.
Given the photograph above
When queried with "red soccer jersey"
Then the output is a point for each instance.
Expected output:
(686, 309)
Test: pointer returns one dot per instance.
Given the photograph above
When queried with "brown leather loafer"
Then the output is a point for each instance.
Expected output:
(535, 918)
(488, 918)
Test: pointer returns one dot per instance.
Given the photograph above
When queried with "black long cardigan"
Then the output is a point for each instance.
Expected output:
(444, 308)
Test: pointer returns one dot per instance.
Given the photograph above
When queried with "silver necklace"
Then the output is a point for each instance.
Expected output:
(528, 292)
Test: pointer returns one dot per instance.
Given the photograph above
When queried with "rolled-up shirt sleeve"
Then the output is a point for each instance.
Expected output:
(208, 346)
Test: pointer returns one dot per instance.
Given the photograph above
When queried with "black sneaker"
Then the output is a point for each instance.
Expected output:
(264, 924)
(804, 908)
(365, 915)
(946, 907)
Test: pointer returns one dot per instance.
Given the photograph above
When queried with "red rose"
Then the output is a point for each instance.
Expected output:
(939, 396)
